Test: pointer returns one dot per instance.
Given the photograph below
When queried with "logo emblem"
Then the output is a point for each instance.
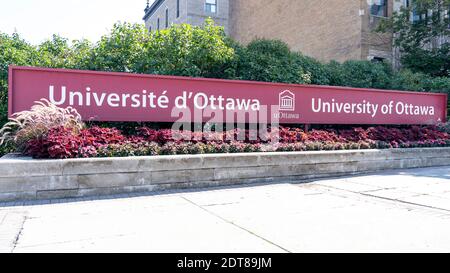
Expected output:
(287, 101)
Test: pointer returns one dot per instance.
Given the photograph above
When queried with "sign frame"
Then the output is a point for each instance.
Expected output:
(282, 86)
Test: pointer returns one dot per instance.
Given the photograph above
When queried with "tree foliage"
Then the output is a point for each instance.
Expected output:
(189, 51)
(121, 50)
(182, 50)
(362, 74)
(271, 61)
(421, 33)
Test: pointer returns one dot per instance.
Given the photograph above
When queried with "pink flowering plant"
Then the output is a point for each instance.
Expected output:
(61, 142)
(51, 132)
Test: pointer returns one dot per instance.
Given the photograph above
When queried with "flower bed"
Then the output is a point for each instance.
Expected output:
(61, 142)
(47, 131)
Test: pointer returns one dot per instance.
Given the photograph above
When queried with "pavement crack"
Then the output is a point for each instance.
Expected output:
(3, 218)
(367, 194)
(221, 204)
(405, 202)
(234, 224)
(380, 189)
(16, 240)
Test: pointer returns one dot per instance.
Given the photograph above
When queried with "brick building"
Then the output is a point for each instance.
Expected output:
(162, 13)
(324, 29)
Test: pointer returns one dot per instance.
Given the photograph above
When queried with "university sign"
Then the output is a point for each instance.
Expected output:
(104, 96)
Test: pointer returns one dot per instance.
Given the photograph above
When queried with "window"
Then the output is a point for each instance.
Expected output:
(211, 6)
(415, 16)
(157, 24)
(167, 18)
(447, 16)
(178, 8)
(377, 60)
(379, 8)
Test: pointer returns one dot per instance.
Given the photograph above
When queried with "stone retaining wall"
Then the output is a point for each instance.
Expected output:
(24, 178)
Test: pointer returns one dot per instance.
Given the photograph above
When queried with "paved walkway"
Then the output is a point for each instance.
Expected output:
(392, 211)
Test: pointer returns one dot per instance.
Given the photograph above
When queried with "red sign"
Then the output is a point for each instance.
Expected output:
(106, 96)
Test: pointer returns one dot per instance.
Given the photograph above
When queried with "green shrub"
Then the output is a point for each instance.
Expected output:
(362, 74)
(444, 127)
(317, 72)
(189, 51)
(7, 148)
(129, 149)
(271, 61)
(434, 62)
(413, 81)
(408, 80)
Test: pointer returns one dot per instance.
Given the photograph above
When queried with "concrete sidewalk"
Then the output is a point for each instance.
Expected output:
(396, 211)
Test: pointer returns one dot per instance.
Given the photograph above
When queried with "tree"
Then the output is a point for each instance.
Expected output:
(58, 53)
(421, 33)
(271, 61)
(13, 51)
(186, 50)
(181, 50)
(122, 50)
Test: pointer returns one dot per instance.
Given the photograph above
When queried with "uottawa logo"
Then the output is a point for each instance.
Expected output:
(287, 101)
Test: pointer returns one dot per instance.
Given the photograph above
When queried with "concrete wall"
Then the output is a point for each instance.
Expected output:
(28, 179)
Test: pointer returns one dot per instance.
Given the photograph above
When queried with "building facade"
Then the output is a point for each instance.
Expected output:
(162, 13)
(324, 29)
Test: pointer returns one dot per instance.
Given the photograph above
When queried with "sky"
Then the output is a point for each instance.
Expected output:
(38, 20)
